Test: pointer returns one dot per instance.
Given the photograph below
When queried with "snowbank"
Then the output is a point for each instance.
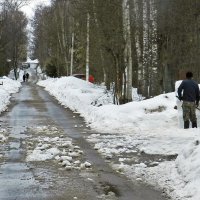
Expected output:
(188, 166)
(9, 86)
(81, 96)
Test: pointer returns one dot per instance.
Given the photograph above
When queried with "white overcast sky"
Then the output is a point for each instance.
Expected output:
(29, 9)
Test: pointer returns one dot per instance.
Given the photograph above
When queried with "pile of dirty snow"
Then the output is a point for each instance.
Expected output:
(50, 143)
(7, 87)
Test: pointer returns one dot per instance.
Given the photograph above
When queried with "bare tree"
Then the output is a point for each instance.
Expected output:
(128, 50)
(126, 43)
(88, 47)
(13, 37)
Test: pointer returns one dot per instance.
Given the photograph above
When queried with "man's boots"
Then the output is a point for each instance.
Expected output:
(186, 124)
(194, 124)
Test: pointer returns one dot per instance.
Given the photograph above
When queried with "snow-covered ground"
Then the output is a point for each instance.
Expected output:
(7, 87)
(151, 128)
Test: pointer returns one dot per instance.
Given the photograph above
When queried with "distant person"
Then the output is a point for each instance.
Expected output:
(91, 79)
(24, 77)
(189, 93)
(27, 76)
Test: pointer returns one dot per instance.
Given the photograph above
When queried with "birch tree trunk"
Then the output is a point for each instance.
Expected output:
(128, 51)
(72, 55)
(138, 11)
(87, 47)
(62, 11)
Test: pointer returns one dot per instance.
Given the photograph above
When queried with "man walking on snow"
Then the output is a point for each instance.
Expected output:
(190, 98)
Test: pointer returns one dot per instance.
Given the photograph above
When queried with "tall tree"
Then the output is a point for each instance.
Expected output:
(13, 36)
(128, 50)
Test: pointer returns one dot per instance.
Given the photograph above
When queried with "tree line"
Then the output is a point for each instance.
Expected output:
(13, 36)
(145, 44)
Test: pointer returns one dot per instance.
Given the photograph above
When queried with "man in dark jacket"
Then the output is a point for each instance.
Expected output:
(189, 93)
(27, 76)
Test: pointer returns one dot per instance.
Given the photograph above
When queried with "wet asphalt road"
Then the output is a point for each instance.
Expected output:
(22, 180)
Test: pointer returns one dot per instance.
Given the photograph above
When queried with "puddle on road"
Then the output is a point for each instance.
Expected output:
(14, 152)
(110, 189)
(16, 178)
(14, 145)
